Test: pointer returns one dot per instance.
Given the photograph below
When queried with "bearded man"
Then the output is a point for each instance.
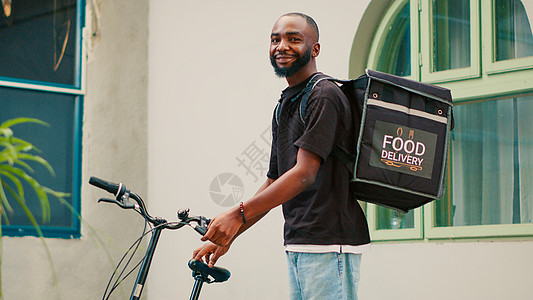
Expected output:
(325, 229)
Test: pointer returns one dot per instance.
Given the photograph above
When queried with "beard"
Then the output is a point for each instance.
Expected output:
(296, 66)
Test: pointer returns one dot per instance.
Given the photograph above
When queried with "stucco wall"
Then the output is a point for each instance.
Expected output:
(115, 148)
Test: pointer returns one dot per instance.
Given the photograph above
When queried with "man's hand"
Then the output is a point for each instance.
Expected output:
(224, 227)
(210, 253)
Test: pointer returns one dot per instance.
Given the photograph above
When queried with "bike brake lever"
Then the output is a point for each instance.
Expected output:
(109, 201)
(201, 227)
(119, 203)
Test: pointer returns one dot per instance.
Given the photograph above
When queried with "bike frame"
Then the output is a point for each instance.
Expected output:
(145, 267)
(138, 286)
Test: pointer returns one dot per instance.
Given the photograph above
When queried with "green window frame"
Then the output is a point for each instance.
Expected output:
(484, 78)
(41, 76)
(430, 13)
(493, 65)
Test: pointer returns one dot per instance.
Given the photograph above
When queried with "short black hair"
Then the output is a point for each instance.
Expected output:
(309, 21)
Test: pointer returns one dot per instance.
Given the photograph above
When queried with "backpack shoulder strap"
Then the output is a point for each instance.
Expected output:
(347, 158)
(277, 112)
(338, 152)
(303, 93)
(307, 90)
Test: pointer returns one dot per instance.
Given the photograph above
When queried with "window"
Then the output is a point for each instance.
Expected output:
(392, 53)
(40, 77)
(489, 69)
(451, 27)
(449, 40)
(396, 48)
(492, 157)
(512, 31)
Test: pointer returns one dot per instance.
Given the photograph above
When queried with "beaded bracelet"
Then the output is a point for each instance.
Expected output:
(241, 206)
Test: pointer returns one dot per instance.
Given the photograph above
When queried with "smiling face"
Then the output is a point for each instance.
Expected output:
(293, 47)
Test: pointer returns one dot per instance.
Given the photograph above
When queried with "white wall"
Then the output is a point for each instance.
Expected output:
(114, 148)
(462, 270)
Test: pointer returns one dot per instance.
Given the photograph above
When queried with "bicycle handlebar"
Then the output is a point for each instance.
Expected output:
(122, 199)
(201, 271)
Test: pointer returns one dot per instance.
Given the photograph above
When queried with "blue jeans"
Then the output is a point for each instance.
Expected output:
(320, 276)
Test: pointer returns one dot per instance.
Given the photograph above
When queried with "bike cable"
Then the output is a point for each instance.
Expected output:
(120, 278)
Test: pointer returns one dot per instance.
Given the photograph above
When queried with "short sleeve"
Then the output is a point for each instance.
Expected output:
(321, 122)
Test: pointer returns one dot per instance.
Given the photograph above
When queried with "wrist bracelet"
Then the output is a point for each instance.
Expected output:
(241, 207)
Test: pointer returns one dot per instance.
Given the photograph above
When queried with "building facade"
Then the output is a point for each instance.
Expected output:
(175, 99)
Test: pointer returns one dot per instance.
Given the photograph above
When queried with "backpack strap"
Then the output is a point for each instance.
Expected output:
(338, 152)
(358, 83)
(347, 158)
(303, 93)
(307, 90)
(277, 112)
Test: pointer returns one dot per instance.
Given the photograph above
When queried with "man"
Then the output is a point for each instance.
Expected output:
(325, 229)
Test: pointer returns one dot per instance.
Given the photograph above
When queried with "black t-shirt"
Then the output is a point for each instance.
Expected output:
(326, 213)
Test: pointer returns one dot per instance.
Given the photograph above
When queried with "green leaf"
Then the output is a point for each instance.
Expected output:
(15, 181)
(3, 215)
(24, 165)
(41, 194)
(12, 122)
(23, 145)
(59, 195)
(3, 199)
(9, 151)
(38, 159)
(6, 132)
(27, 211)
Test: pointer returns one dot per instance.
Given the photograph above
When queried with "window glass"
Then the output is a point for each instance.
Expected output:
(512, 30)
(393, 219)
(38, 41)
(395, 56)
(56, 143)
(492, 159)
(451, 34)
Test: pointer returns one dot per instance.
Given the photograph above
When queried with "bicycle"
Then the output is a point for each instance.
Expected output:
(201, 272)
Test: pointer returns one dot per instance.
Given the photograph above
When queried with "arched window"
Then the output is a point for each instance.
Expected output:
(483, 52)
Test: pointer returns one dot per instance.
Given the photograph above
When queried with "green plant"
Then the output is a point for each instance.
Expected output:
(16, 155)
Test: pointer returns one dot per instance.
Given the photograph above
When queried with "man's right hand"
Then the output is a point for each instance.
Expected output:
(210, 253)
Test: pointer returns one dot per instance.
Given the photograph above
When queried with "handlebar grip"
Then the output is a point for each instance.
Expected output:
(112, 188)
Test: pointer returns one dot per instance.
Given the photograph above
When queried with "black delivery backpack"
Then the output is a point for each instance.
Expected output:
(402, 130)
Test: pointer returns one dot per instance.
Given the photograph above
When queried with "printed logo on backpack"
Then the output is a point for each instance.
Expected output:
(403, 149)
